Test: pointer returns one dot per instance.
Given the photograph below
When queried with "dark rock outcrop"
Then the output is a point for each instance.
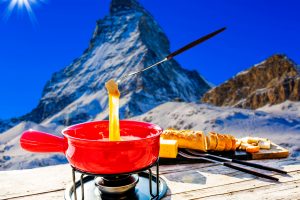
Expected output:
(271, 82)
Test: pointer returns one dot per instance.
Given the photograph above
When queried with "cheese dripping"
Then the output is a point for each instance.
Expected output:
(114, 99)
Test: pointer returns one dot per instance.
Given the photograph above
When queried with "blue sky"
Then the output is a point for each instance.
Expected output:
(29, 54)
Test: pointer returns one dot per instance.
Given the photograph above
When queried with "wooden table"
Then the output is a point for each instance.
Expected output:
(185, 181)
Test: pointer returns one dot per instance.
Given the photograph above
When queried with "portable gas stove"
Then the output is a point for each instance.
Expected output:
(142, 184)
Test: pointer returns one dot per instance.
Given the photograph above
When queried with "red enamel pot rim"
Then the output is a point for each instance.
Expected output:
(87, 151)
(134, 122)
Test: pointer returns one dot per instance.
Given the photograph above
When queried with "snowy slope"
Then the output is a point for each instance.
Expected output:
(273, 123)
(13, 157)
(286, 108)
(279, 127)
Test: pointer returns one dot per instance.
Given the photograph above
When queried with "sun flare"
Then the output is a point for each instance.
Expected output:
(20, 5)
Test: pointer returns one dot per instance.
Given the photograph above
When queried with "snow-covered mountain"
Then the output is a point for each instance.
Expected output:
(127, 40)
(280, 123)
(289, 108)
(6, 124)
(13, 157)
(282, 127)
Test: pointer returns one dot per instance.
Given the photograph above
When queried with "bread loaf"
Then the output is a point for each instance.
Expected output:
(187, 138)
(198, 141)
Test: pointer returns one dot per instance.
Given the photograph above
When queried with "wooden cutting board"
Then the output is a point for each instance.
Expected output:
(276, 151)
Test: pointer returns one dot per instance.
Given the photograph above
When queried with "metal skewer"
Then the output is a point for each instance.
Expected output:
(258, 166)
(175, 53)
(230, 165)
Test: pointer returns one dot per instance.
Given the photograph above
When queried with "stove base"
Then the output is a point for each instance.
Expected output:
(140, 192)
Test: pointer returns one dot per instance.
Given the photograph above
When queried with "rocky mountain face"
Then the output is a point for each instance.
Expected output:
(8, 123)
(273, 81)
(127, 40)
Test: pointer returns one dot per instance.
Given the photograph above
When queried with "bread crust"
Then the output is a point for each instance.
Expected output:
(212, 141)
(199, 141)
(187, 138)
(228, 143)
(221, 143)
(233, 143)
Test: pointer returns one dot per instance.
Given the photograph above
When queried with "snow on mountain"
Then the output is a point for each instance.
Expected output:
(13, 157)
(280, 128)
(8, 123)
(286, 108)
(127, 40)
(270, 122)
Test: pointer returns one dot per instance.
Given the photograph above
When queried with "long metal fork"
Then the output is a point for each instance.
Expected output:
(219, 158)
(175, 53)
(230, 165)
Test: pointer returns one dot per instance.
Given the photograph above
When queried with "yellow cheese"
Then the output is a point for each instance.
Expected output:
(114, 99)
(168, 148)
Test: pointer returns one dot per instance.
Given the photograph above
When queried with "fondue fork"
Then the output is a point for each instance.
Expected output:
(175, 53)
(230, 165)
(258, 166)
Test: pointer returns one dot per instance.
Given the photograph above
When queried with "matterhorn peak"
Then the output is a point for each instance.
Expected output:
(128, 39)
(121, 5)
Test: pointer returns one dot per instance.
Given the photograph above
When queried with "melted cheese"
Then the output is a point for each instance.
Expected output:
(114, 99)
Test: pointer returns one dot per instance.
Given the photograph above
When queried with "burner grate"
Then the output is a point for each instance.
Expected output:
(145, 186)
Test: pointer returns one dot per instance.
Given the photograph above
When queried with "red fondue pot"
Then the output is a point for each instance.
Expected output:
(87, 148)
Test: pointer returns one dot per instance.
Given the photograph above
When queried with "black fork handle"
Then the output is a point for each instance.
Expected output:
(227, 164)
(194, 43)
(259, 166)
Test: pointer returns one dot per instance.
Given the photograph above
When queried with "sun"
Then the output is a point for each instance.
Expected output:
(20, 5)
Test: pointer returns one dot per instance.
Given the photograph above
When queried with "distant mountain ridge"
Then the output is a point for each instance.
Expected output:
(272, 81)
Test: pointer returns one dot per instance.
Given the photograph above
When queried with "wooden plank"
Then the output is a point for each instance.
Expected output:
(274, 191)
(163, 169)
(279, 163)
(25, 182)
(47, 179)
(51, 178)
(288, 190)
(216, 176)
(57, 195)
(238, 186)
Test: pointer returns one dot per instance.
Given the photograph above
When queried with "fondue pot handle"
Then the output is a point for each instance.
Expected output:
(37, 141)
